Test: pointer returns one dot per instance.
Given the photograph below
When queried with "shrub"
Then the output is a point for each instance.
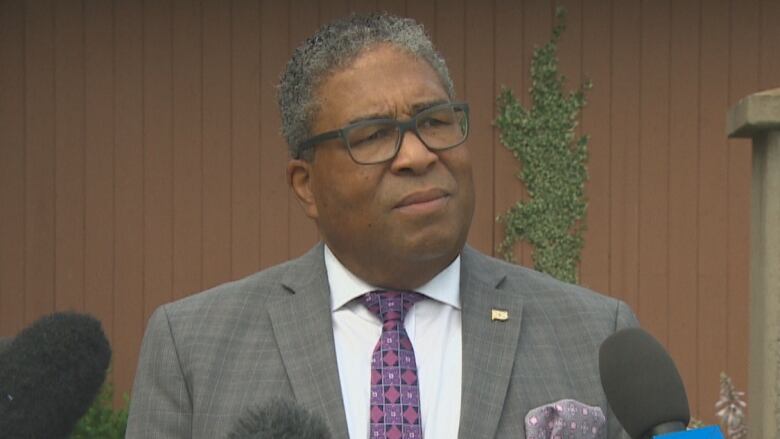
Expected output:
(102, 421)
(553, 168)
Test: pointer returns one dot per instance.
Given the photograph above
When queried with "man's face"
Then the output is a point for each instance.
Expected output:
(394, 224)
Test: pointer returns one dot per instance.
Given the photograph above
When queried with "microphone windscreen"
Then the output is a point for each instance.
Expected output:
(641, 382)
(50, 374)
(280, 419)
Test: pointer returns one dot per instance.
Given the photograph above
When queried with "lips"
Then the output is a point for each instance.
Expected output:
(422, 197)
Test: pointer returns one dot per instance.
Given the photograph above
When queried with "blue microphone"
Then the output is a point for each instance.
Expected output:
(711, 432)
(644, 388)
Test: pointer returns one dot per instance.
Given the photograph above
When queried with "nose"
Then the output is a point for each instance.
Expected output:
(413, 156)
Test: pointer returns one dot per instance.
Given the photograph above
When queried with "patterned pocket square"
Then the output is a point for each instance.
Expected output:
(565, 419)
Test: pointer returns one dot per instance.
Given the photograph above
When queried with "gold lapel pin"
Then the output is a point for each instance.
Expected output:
(499, 314)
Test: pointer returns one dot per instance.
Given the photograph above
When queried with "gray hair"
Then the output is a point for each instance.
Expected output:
(333, 47)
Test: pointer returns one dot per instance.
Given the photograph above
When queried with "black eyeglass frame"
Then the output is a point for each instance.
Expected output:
(402, 126)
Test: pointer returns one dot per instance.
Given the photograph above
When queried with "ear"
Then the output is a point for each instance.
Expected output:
(299, 178)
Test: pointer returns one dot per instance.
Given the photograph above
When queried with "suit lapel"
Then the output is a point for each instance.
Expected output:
(489, 346)
(304, 333)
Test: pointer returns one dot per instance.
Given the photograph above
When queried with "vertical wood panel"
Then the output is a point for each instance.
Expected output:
(329, 11)
(479, 89)
(596, 56)
(217, 157)
(69, 155)
(570, 60)
(653, 169)
(624, 158)
(770, 44)
(423, 11)
(683, 192)
(302, 233)
(362, 6)
(39, 160)
(743, 80)
(12, 167)
(129, 155)
(537, 25)
(99, 162)
(187, 148)
(110, 201)
(713, 220)
(245, 131)
(396, 7)
(158, 155)
(570, 46)
(509, 67)
(450, 40)
(274, 212)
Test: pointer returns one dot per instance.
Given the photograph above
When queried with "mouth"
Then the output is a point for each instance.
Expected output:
(423, 201)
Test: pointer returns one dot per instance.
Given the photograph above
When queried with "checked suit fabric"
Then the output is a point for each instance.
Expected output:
(395, 393)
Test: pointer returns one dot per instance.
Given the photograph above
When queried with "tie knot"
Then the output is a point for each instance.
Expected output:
(390, 306)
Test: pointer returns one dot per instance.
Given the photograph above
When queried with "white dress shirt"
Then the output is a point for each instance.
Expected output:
(434, 328)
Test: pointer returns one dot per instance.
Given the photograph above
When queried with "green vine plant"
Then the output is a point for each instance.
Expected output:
(553, 165)
(102, 420)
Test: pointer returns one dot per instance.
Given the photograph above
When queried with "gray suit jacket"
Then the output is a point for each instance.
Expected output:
(206, 358)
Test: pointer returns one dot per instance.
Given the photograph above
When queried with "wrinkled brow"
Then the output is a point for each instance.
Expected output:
(416, 108)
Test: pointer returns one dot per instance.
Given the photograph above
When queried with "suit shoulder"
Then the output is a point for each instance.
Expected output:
(256, 286)
(541, 288)
(543, 283)
(249, 293)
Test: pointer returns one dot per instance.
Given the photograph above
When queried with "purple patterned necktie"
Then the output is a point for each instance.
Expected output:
(395, 394)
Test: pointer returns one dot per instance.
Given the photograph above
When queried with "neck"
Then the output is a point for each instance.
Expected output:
(397, 273)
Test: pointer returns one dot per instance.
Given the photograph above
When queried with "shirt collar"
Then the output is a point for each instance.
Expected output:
(345, 286)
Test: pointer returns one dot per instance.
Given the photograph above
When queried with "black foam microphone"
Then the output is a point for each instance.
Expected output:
(50, 374)
(4, 343)
(280, 419)
(642, 384)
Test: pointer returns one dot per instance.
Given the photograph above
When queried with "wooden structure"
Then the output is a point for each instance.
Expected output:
(757, 117)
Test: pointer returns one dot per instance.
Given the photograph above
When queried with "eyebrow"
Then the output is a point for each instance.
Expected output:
(426, 105)
(416, 108)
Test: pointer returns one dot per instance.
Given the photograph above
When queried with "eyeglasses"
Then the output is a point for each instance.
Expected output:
(374, 141)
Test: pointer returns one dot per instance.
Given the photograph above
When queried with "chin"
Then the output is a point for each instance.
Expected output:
(444, 248)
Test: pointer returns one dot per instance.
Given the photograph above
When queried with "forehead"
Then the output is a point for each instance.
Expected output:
(383, 80)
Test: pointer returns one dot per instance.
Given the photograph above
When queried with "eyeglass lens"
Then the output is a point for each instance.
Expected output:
(377, 141)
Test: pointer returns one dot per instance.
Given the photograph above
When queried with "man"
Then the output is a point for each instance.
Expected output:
(379, 161)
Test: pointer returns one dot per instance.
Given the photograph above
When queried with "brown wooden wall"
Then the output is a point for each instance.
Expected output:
(140, 159)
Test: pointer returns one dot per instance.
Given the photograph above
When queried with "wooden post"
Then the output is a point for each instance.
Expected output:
(758, 117)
